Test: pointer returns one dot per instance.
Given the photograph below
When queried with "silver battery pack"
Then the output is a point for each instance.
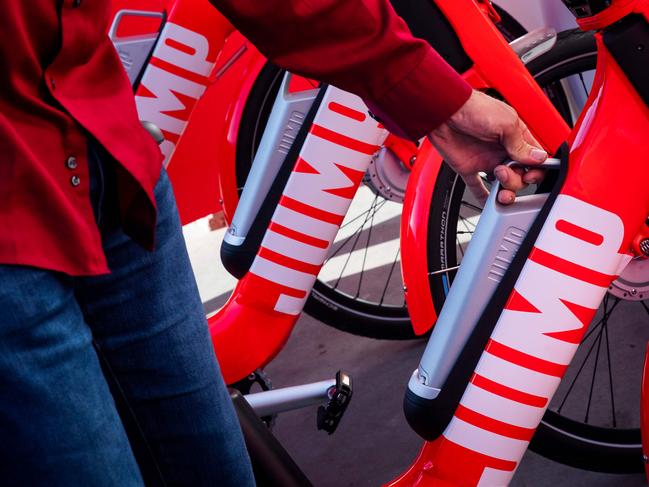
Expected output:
(498, 236)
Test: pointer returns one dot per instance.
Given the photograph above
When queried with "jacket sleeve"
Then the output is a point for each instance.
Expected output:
(361, 46)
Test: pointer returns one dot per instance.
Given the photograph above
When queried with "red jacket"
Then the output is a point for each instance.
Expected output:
(61, 79)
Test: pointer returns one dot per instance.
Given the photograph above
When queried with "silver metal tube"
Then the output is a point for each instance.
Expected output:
(534, 44)
(290, 398)
(286, 118)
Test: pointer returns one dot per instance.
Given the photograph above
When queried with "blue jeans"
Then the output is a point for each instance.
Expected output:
(112, 380)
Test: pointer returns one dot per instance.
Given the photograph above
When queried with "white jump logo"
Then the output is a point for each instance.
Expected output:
(184, 49)
(330, 166)
(545, 324)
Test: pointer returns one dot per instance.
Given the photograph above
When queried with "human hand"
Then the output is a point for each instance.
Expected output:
(479, 137)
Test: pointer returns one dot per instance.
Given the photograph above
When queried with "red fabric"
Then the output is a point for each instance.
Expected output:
(361, 46)
(60, 80)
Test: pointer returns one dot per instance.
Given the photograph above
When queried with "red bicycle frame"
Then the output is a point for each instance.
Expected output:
(583, 245)
(195, 89)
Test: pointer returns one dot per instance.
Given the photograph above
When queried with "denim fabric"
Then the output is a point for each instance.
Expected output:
(111, 380)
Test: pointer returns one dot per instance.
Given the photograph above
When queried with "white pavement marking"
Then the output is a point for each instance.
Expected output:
(213, 280)
(203, 247)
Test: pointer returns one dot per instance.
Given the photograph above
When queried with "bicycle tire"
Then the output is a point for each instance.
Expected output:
(559, 438)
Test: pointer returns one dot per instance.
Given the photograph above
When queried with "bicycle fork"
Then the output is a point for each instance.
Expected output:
(511, 325)
(306, 205)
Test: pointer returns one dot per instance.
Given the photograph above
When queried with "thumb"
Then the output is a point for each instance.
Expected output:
(521, 145)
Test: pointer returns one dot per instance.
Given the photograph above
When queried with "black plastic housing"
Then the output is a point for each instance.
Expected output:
(628, 43)
(586, 8)
(426, 21)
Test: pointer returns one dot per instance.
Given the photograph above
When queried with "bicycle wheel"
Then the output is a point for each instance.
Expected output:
(359, 289)
(593, 420)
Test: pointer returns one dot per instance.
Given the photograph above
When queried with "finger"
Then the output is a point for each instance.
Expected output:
(518, 143)
(534, 176)
(476, 186)
(518, 170)
(509, 178)
(529, 138)
(506, 197)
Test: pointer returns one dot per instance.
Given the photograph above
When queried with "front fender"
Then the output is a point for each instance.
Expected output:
(208, 145)
(247, 333)
(414, 238)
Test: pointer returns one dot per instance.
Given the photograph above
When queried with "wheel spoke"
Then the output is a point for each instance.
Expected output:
(444, 271)
(472, 206)
(646, 308)
(574, 380)
(359, 216)
(599, 323)
(358, 236)
(394, 263)
(610, 374)
(606, 313)
(583, 83)
(373, 208)
(559, 99)
(345, 242)
(367, 246)
(459, 244)
(466, 222)
(592, 382)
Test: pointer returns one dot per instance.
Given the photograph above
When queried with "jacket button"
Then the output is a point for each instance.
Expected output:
(76, 3)
(75, 180)
(71, 162)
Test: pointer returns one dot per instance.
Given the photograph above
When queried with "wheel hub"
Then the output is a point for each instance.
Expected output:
(386, 176)
(633, 283)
